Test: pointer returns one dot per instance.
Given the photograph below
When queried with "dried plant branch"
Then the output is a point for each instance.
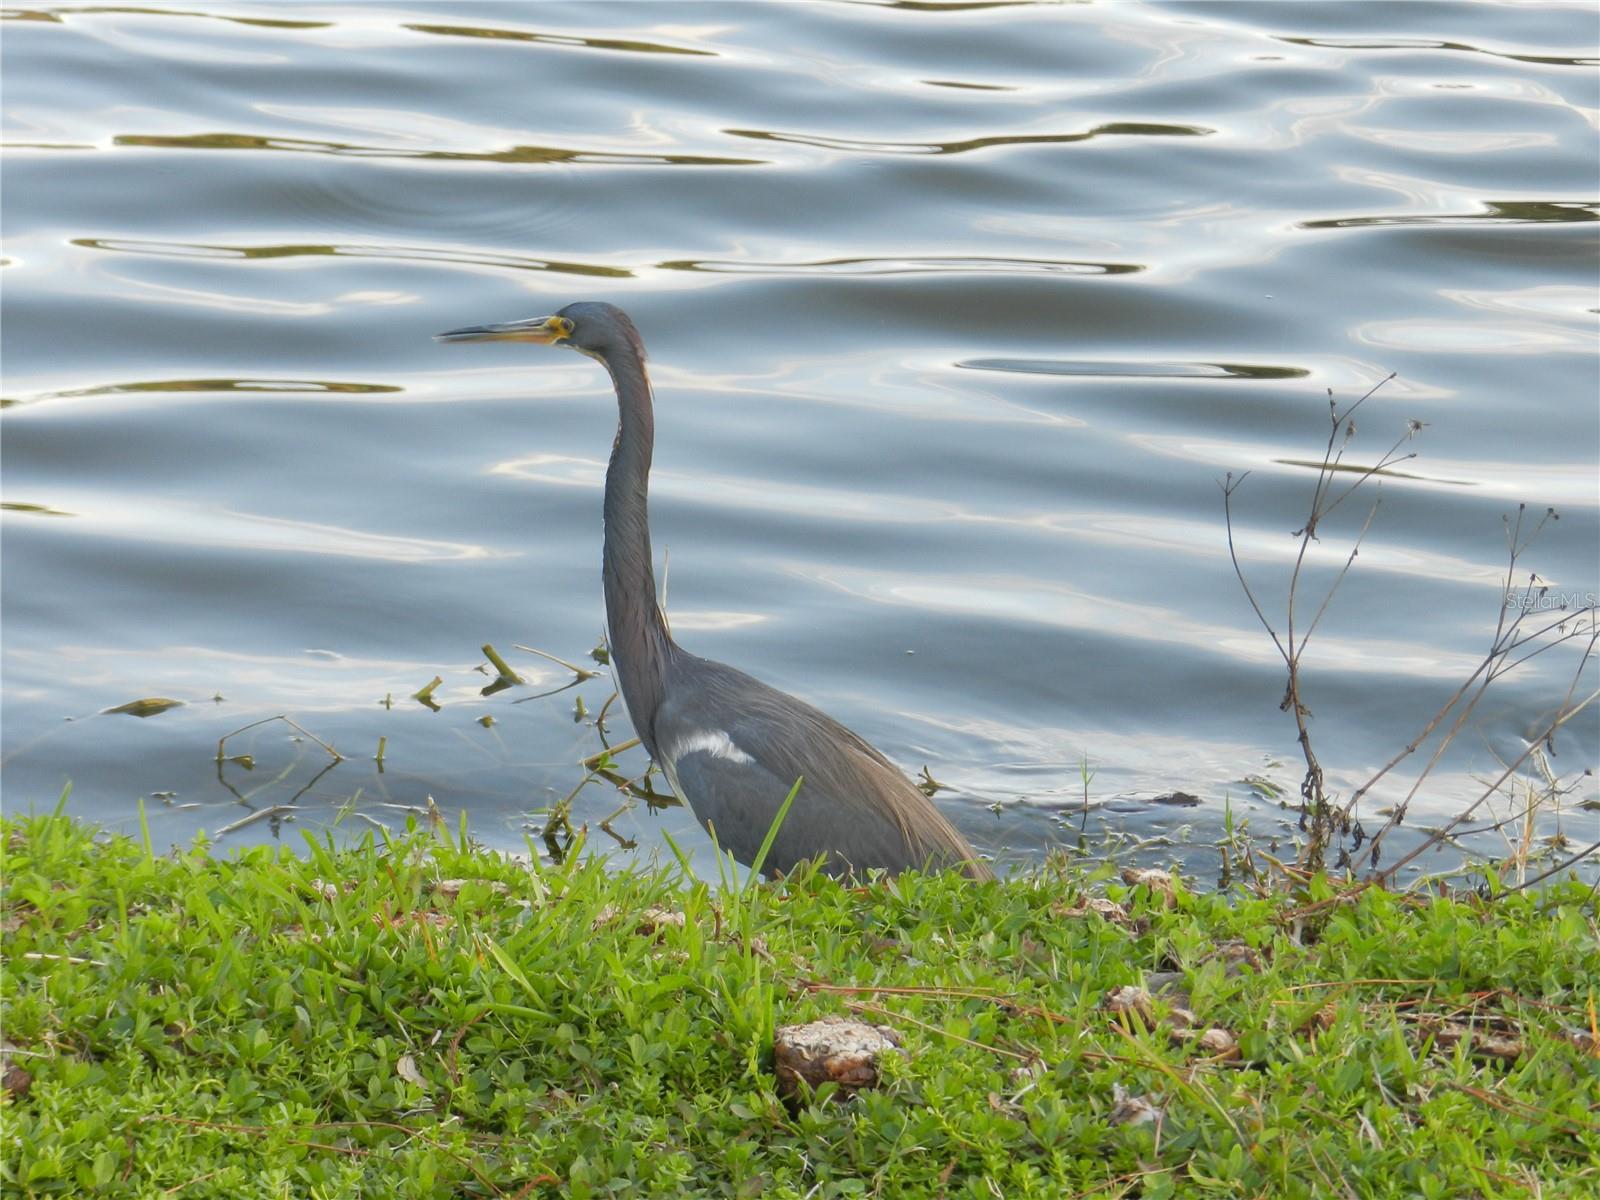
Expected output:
(1515, 643)
(1564, 712)
(1317, 817)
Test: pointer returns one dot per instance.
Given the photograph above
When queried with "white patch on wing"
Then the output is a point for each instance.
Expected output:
(714, 742)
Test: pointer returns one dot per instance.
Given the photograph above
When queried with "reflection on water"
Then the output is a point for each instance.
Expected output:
(906, 266)
(298, 386)
(464, 257)
(958, 326)
(1022, 602)
(559, 39)
(515, 154)
(396, 253)
(42, 510)
(1114, 129)
(1515, 212)
(1155, 370)
(1381, 43)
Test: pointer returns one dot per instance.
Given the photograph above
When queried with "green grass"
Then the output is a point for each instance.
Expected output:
(337, 1023)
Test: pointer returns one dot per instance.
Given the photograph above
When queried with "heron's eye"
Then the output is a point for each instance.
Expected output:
(563, 327)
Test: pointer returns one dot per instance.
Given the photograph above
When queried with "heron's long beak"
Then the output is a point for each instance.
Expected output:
(542, 330)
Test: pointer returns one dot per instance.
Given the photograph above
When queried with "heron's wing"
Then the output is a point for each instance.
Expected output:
(737, 802)
(733, 748)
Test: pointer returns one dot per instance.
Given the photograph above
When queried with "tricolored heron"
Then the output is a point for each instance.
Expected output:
(731, 747)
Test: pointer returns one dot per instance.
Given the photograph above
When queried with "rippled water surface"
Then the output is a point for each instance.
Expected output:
(959, 314)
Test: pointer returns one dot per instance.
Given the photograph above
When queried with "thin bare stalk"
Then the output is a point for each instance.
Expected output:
(1564, 712)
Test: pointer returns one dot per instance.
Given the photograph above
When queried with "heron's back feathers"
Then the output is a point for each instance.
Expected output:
(733, 747)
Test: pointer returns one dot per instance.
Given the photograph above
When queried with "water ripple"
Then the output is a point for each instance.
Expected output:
(1508, 212)
(1548, 60)
(38, 510)
(1034, 602)
(298, 386)
(971, 87)
(902, 266)
(524, 155)
(58, 16)
(1111, 129)
(1111, 368)
(458, 257)
(179, 524)
(558, 39)
(947, 6)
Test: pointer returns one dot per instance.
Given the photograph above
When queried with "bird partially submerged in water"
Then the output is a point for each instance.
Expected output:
(731, 747)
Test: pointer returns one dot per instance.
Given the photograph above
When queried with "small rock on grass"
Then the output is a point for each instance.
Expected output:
(832, 1050)
(1236, 954)
(1162, 889)
(647, 922)
(1219, 1042)
(1129, 999)
(1216, 1041)
(1320, 1019)
(1028, 1073)
(13, 1078)
(1132, 1110)
(1110, 910)
(1583, 1040)
(1482, 1042)
(1164, 981)
(1134, 1000)
(450, 889)
(1181, 1019)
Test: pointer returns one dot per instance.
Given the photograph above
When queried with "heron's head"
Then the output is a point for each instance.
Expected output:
(590, 326)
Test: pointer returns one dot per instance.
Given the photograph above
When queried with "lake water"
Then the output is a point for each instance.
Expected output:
(959, 314)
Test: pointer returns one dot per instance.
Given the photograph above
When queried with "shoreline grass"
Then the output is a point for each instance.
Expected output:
(419, 1018)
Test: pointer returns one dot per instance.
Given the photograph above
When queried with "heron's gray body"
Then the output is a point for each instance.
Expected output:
(731, 746)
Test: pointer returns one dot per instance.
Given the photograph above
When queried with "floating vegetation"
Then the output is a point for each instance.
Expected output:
(506, 677)
(148, 706)
(598, 654)
(424, 695)
(275, 813)
(222, 742)
(579, 674)
(1263, 787)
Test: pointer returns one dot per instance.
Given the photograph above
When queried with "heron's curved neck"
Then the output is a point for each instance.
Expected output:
(640, 644)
